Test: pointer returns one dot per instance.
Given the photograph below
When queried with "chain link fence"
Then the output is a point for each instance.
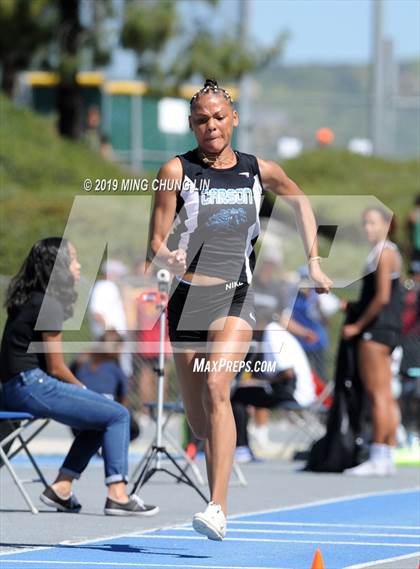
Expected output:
(291, 108)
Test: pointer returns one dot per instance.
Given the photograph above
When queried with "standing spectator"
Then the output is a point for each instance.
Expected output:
(311, 314)
(413, 237)
(100, 371)
(93, 125)
(148, 341)
(377, 331)
(271, 295)
(106, 308)
(141, 301)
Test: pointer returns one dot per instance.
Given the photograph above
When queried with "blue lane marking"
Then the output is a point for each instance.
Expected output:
(295, 535)
(349, 532)
(382, 509)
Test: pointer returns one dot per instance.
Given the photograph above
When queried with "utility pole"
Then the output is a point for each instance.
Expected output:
(244, 109)
(377, 79)
(391, 92)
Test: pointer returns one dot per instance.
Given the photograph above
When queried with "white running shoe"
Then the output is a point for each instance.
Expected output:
(370, 468)
(211, 522)
(391, 468)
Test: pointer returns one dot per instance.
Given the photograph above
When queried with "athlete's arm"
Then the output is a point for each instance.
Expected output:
(163, 214)
(276, 180)
(382, 295)
(297, 329)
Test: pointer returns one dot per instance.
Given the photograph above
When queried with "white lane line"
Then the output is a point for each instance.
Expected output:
(232, 518)
(380, 561)
(118, 564)
(336, 500)
(268, 540)
(79, 542)
(22, 550)
(297, 532)
(321, 525)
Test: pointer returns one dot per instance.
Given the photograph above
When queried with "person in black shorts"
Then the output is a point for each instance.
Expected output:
(413, 235)
(36, 379)
(204, 226)
(377, 332)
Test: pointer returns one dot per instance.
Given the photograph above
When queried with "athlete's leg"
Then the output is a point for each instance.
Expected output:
(192, 386)
(374, 362)
(230, 343)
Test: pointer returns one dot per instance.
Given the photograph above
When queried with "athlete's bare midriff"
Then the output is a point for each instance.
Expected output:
(202, 280)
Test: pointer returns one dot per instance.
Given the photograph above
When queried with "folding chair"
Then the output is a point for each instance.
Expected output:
(12, 429)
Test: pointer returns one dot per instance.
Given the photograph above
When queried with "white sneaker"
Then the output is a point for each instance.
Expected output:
(260, 443)
(243, 455)
(211, 522)
(391, 468)
(370, 468)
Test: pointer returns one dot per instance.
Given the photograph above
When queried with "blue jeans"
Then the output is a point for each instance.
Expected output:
(102, 422)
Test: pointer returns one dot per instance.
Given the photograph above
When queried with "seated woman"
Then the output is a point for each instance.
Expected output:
(37, 380)
(101, 371)
(287, 375)
(280, 374)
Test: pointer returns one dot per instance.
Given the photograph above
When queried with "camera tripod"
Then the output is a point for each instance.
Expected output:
(157, 450)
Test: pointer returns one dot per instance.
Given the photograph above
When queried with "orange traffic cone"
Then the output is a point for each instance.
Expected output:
(318, 562)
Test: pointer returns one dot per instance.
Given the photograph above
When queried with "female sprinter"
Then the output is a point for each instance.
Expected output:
(377, 330)
(42, 384)
(214, 211)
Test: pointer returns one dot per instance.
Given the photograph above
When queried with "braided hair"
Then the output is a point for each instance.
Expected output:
(210, 86)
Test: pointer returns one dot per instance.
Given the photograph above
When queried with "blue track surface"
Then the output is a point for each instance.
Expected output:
(348, 532)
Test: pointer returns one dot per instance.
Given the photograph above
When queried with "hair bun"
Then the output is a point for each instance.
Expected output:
(211, 83)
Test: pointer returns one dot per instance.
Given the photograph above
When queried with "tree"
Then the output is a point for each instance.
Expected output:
(52, 28)
(73, 39)
(25, 28)
(150, 25)
(221, 56)
(69, 100)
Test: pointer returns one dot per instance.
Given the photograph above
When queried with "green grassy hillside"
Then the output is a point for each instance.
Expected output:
(332, 172)
(40, 175)
(337, 172)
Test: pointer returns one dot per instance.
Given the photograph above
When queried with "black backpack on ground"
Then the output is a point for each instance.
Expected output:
(345, 443)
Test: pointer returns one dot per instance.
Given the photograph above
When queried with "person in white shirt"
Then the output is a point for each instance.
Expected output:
(281, 347)
(106, 308)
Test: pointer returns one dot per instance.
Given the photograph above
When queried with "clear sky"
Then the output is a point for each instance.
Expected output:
(324, 31)
(335, 30)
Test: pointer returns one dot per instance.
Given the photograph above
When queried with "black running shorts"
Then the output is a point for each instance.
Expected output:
(390, 338)
(192, 308)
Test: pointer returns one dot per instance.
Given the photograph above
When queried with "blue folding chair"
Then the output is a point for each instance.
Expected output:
(13, 425)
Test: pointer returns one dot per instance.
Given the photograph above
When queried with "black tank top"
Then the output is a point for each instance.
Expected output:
(217, 217)
(389, 317)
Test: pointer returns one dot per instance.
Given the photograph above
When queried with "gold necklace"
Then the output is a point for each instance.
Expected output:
(210, 160)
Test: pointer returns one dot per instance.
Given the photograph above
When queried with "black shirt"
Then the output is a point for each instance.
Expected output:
(20, 331)
(389, 318)
(217, 216)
